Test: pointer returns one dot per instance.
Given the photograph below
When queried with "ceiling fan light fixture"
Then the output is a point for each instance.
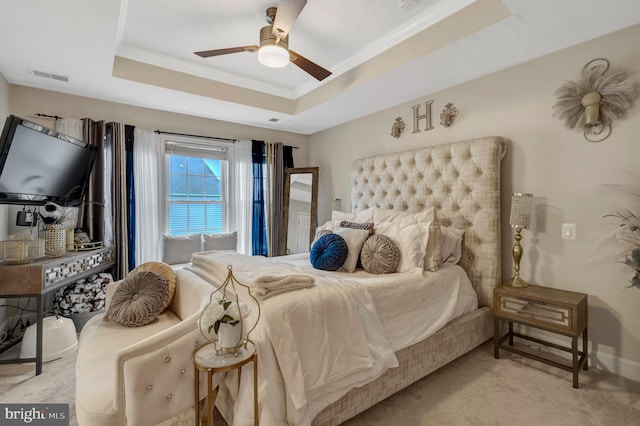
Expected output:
(273, 56)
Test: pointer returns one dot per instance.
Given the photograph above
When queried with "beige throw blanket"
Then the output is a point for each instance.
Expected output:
(270, 285)
(264, 281)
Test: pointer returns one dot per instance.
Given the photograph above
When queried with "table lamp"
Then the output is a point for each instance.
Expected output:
(519, 219)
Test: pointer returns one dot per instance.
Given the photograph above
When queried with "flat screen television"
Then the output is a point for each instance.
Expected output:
(38, 164)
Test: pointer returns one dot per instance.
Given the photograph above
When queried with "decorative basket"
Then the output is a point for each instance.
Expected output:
(21, 249)
(55, 240)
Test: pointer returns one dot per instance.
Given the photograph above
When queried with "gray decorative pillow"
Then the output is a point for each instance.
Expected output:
(380, 255)
(220, 241)
(357, 225)
(178, 248)
(139, 299)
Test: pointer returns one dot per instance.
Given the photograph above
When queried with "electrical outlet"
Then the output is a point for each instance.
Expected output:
(568, 231)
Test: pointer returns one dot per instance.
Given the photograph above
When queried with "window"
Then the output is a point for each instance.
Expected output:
(197, 187)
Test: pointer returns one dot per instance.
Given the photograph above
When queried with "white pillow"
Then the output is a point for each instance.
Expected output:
(432, 254)
(411, 240)
(355, 238)
(403, 217)
(451, 245)
(339, 215)
(360, 217)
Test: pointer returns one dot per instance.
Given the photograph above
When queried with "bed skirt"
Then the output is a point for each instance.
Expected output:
(417, 361)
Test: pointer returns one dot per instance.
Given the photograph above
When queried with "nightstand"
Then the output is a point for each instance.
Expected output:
(206, 359)
(557, 311)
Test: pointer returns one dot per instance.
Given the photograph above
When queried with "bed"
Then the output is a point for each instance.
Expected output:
(461, 181)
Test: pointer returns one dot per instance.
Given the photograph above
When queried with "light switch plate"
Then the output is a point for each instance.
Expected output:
(568, 231)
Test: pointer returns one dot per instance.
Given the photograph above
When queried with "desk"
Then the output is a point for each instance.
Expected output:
(43, 276)
(550, 309)
(205, 359)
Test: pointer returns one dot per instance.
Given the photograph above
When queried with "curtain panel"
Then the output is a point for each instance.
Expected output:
(131, 197)
(258, 216)
(269, 161)
(148, 158)
(116, 203)
(92, 216)
(243, 197)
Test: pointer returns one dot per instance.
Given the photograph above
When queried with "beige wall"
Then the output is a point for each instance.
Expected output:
(567, 174)
(26, 101)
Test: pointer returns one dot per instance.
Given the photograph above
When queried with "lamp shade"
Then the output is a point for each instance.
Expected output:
(273, 56)
(273, 50)
(520, 216)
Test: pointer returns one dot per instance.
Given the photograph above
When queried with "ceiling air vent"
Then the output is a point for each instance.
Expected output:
(50, 75)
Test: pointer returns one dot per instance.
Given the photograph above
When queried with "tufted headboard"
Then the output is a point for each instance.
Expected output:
(461, 180)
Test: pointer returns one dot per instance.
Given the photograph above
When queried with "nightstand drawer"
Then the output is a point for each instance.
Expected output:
(536, 311)
(552, 309)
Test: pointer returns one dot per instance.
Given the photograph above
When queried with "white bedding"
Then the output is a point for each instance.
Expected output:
(315, 344)
(411, 306)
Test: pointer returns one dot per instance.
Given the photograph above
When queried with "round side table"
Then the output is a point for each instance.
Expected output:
(206, 359)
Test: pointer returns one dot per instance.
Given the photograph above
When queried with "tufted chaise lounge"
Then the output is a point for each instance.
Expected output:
(140, 375)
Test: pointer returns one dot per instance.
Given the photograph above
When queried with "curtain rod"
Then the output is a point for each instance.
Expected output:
(53, 117)
(193, 136)
(205, 137)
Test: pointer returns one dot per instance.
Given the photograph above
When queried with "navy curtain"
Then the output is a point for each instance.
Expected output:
(287, 154)
(131, 196)
(258, 219)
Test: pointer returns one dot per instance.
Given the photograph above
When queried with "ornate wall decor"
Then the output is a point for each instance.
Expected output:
(593, 102)
(448, 115)
(397, 128)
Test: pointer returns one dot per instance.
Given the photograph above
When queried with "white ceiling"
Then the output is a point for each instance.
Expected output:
(380, 54)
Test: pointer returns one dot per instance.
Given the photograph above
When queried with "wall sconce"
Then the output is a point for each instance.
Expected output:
(448, 115)
(397, 128)
(519, 219)
(593, 102)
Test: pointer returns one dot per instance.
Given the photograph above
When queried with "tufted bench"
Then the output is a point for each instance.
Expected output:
(140, 375)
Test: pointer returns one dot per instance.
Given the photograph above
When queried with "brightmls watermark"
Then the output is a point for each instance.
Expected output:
(34, 414)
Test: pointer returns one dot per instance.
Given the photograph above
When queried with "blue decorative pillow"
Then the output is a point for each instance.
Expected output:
(329, 252)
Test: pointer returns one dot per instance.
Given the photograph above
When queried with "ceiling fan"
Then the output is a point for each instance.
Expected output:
(273, 50)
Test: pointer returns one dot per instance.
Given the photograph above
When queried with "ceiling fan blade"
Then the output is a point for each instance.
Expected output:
(306, 65)
(288, 11)
(218, 52)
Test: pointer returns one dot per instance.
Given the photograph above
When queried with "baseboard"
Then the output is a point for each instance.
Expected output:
(626, 368)
(619, 366)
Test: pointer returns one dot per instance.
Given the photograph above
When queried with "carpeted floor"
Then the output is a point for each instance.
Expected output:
(476, 389)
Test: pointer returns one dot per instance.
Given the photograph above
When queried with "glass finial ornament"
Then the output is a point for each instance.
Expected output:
(223, 320)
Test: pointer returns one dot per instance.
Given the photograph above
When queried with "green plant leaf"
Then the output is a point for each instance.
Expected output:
(227, 318)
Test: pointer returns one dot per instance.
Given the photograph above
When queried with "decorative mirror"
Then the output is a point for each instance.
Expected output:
(300, 209)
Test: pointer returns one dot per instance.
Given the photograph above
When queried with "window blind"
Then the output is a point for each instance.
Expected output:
(193, 149)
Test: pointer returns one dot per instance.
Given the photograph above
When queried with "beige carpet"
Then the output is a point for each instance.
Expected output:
(473, 390)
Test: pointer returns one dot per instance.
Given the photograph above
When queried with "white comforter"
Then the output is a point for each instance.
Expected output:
(315, 344)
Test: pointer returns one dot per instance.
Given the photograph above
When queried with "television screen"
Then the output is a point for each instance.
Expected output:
(38, 164)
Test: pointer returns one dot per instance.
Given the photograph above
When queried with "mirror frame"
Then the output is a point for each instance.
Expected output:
(285, 204)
